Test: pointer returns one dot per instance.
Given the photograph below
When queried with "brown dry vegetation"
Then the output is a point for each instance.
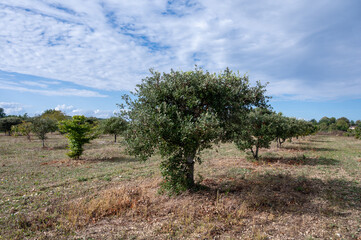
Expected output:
(310, 189)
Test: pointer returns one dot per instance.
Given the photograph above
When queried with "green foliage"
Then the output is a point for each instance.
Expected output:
(42, 126)
(357, 132)
(287, 128)
(342, 124)
(343, 119)
(313, 121)
(325, 120)
(331, 124)
(79, 132)
(24, 129)
(181, 113)
(114, 126)
(283, 128)
(54, 115)
(7, 122)
(92, 120)
(259, 131)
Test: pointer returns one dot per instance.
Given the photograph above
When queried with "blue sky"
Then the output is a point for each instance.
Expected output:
(81, 56)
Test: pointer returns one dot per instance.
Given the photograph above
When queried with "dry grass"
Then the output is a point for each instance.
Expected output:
(310, 189)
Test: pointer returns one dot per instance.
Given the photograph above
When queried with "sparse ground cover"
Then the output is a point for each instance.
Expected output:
(309, 189)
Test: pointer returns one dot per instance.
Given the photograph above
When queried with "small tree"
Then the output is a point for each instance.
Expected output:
(25, 129)
(7, 122)
(79, 132)
(282, 128)
(42, 126)
(358, 132)
(182, 113)
(259, 132)
(114, 126)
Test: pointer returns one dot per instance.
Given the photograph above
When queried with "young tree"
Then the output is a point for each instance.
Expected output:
(258, 133)
(358, 132)
(79, 132)
(24, 129)
(182, 113)
(7, 122)
(281, 128)
(114, 126)
(42, 126)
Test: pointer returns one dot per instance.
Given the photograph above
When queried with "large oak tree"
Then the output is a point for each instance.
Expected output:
(181, 113)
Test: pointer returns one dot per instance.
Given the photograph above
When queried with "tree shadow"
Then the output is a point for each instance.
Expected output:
(308, 148)
(301, 143)
(301, 160)
(285, 193)
(318, 140)
(116, 160)
(60, 147)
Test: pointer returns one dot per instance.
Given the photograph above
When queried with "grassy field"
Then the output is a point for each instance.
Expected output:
(309, 189)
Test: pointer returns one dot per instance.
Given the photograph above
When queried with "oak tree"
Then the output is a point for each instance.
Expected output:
(181, 113)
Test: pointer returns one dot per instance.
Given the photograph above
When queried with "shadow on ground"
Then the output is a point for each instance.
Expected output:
(284, 193)
(117, 160)
(308, 148)
(301, 160)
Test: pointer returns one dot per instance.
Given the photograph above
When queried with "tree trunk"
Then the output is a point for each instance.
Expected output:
(282, 141)
(115, 138)
(190, 171)
(254, 153)
(257, 148)
(43, 143)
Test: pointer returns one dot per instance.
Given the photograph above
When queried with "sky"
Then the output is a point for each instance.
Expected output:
(80, 57)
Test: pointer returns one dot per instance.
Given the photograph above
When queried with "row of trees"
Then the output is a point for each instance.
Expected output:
(78, 129)
(179, 114)
(264, 126)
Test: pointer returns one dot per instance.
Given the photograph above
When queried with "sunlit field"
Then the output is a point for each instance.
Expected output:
(308, 189)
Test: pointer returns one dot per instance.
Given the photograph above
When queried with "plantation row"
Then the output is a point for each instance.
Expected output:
(177, 115)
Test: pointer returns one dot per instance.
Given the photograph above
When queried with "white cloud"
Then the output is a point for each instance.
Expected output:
(12, 108)
(110, 44)
(6, 85)
(63, 107)
(92, 113)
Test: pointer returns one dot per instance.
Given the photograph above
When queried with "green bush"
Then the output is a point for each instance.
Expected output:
(79, 132)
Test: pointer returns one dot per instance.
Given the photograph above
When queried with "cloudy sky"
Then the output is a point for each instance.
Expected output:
(81, 56)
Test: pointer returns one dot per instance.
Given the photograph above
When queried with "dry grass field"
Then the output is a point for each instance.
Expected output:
(309, 189)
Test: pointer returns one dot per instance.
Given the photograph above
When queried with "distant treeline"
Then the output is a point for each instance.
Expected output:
(327, 124)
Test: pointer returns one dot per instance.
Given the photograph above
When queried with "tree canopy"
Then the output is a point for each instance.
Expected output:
(259, 131)
(42, 126)
(53, 114)
(7, 122)
(114, 126)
